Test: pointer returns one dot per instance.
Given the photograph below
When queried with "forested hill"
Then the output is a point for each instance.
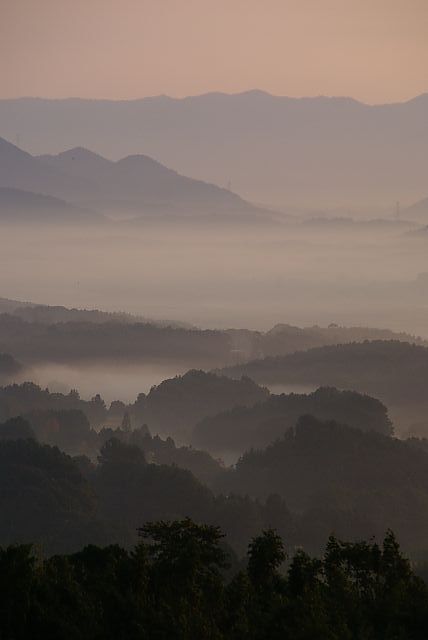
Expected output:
(112, 341)
(379, 366)
(349, 480)
(393, 371)
(42, 333)
(244, 427)
(176, 405)
(284, 339)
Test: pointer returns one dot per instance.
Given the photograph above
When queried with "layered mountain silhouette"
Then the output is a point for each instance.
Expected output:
(312, 151)
(136, 184)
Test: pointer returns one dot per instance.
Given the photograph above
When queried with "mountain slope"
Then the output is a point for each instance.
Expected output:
(136, 184)
(19, 170)
(317, 151)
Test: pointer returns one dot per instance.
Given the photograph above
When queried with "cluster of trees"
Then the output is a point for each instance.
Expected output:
(70, 431)
(30, 400)
(176, 405)
(164, 451)
(173, 408)
(341, 479)
(241, 428)
(179, 583)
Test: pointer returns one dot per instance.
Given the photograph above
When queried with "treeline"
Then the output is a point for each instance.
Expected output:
(35, 342)
(173, 407)
(178, 584)
(42, 333)
(284, 339)
(219, 414)
(391, 370)
(240, 428)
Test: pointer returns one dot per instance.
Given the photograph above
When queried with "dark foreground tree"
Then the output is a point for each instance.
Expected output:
(173, 585)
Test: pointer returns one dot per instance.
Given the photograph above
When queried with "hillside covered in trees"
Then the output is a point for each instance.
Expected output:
(241, 428)
(393, 371)
(176, 405)
(320, 477)
(38, 333)
(344, 480)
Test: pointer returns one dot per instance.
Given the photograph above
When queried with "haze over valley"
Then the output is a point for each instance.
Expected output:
(214, 320)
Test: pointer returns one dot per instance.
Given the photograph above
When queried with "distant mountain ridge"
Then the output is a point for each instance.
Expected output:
(135, 184)
(319, 151)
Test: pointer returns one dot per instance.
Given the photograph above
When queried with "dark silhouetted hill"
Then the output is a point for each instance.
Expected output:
(114, 342)
(25, 332)
(53, 413)
(334, 474)
(176, 405)
(392, 370)
(239, 429)
(285, 339)
(44, 499)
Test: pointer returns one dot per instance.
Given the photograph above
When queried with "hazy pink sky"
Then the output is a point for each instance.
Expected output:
(373, 50)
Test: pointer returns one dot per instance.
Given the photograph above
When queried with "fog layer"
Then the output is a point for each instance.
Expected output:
(224, 276)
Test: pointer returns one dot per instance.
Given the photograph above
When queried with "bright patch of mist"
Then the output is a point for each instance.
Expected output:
(110, 381)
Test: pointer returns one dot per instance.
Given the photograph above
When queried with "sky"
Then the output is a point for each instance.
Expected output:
(373, 50)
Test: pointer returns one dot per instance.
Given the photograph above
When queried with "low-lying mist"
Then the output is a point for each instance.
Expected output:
(118, 382)
(111, 382)
(225, 275)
